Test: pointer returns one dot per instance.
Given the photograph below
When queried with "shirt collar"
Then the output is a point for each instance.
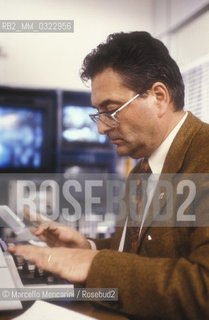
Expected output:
(157, 159)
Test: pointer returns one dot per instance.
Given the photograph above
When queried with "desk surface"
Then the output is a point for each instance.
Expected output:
(82, 307)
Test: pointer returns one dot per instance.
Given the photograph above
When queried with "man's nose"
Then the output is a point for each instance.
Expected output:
(102, 127)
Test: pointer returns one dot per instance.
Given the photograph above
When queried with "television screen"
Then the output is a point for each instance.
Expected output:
(21, 137)
(27, 130)
(78, 127)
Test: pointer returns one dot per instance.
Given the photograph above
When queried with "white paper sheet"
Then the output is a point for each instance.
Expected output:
(44, 310)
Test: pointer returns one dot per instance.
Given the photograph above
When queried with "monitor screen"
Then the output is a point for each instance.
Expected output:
(21, 137)
(78, 127)
(27, 130)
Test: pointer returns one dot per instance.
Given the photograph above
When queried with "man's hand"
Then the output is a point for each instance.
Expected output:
(53, 233)
(57, 235)
(70, 264)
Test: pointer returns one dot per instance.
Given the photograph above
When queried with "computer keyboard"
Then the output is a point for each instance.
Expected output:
(15, 272)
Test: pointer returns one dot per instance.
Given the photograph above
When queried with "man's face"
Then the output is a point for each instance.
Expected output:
(139, 132)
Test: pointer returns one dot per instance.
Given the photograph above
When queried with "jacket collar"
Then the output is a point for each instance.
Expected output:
(175, 157)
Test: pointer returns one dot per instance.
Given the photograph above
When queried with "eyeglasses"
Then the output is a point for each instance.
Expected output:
(108, 117)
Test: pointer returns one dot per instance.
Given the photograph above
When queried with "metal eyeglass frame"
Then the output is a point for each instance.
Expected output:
(111, 114)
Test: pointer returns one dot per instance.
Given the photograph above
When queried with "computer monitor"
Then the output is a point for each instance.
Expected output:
(78, 127)
(27, 130)
(21, 137)
(78, 130)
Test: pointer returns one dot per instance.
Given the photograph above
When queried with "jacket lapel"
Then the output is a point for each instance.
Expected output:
(173, 164)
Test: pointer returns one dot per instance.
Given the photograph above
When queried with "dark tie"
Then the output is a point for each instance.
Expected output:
(133, 227)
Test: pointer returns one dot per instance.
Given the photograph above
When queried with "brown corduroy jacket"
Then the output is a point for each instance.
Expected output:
(168, 276)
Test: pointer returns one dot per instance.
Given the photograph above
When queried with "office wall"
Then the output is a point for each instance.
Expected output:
(187, 40)
(54, 60)
(183, 26)
(191, 42)
(168, 14)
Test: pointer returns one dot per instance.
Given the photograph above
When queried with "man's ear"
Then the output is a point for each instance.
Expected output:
(162, 97)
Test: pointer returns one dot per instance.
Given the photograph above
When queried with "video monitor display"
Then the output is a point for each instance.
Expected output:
(21, 137)
(78, 127)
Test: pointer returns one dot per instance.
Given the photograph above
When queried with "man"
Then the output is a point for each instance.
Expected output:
(138, 91)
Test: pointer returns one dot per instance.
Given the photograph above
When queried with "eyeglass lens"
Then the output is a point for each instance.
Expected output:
(107, 119)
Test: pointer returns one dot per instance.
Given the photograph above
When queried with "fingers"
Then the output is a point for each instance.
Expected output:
(70, 264)
(37, 255)
(39, 230)
(26, 251)
(47, 234)
(44, 258)
(34, 217)
(56, 235)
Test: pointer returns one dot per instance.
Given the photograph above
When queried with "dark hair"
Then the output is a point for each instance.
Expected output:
(140, 59)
